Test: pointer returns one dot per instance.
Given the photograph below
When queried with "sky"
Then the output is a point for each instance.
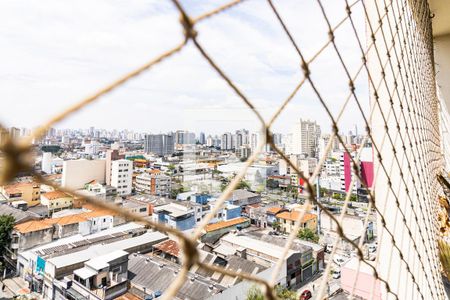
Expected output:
(54, 53)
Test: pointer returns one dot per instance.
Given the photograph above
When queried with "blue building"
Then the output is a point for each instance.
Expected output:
(175, 215)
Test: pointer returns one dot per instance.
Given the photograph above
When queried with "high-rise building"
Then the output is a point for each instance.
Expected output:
(121, 176)
(159, 144)
(227, 141)
(202, 138)
(304, 138)
(210, 141)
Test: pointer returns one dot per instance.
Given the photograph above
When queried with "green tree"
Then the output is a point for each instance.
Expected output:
(276, 225)
(307, 235)
(255, 293)
(241, 185)
(6, 226)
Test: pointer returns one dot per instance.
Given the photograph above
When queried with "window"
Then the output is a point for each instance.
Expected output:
(142, 209)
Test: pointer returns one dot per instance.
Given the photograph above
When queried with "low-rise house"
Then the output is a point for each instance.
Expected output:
(28, 191)
(243, 197)
(103, 277)
(56, 201)
(213, 232)
(287, 220)
(176, 215)
(267, 254)
(56, 263)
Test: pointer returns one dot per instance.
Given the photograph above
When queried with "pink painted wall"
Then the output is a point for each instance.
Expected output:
(367, 172)
(347, 171)
(364, 283)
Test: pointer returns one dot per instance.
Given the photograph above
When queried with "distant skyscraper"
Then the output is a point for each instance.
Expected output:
(159, 144)
(202, 138)
(227, 141)
(305, 136)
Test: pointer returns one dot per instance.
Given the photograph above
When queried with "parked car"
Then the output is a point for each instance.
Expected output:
(305, 295)
(372, 248)
(336, 274)
(328, 248)
(339, 260)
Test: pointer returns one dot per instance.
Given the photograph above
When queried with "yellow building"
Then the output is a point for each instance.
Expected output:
(287, 220)
(56, 201)
(29, 192)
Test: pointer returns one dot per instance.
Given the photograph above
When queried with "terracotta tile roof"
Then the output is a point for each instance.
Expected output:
(273, 210)
(170, 246)
(293, 216)
(38, 225)
(225, 224)
(67, 220)
(55, 195)
(31, 226)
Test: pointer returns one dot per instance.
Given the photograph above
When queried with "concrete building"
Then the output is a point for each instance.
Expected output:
(304, 138)
(49, 268)
(226, 141)
(56, 201)
(365, 168)
(159, 144)
(297, 265)
(28, 191)
(111, 155)
(77, 173)
(153, 183)
(287, 220)
(175, 215)
(104, 277)
(243, 197)
(121, 176)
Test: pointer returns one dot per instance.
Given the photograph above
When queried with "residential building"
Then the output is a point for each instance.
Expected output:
(104, 277)
(56, 201)
(213, 232)
(50, 267)
(76, 173)
(287, 220)
(159, 144)
(243, 197)
(175, 215)
(304, 138)
(111, 155)
(365, 169)
(226, 141)
(28, 191)
(297, 264)
(121, 176)
(153, 182)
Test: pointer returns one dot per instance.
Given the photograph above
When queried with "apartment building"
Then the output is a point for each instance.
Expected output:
(121, 176)
(56, 201)
(29, 191)
(153, 182)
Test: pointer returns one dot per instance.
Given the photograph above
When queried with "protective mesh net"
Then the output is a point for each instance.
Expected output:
(401, 124)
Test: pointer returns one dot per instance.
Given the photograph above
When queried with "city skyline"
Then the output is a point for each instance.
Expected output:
(74, 55)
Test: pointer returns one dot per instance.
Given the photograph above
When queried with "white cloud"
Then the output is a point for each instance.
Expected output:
(57, 52)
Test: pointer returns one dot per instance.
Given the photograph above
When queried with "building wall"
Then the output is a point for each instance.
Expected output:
(34, 238)
(232, 213)
(76, 173)
(121, 176)
(57, 204)
(288, 225)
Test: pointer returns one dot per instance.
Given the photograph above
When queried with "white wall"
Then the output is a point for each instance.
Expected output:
(76, 173)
